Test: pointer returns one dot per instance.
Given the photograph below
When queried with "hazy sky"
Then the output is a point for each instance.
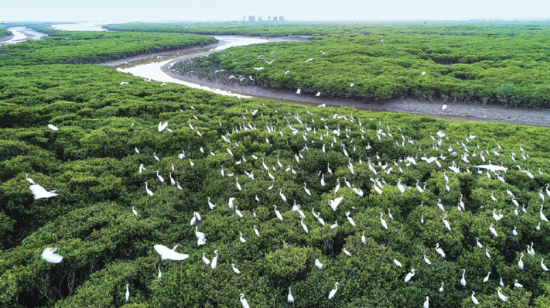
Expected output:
(222, 10)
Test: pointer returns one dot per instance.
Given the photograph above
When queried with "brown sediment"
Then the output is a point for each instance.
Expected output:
(454, 111)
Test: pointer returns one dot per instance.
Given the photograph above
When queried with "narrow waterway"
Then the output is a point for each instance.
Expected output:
(21, 34)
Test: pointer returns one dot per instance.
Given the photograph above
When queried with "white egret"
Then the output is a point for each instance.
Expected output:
(486, 277)
(318, 264)
(141, 168)
(149, 192)
(334, 225)
(447, 225)
(334, 203)
(487, 253)
(40, 192)
(333, 292)
(501, 296)
(337, 186)
(236, 270)
(160, 273)
(400, 186)
(427, 260)
(520, 262)
(517, 284)
(191, 162)
(282, 195)
(210, 204)
(169, 254)
(544, 268)
(237, 183)
(205, 259)
(439, 250)
(304, 226)
(290, 298)
(231, 204)
(160, 177)
(49, 255)
(134, 211)
(256, 231)
(384, 224)
(474, 299)
(127, 293)
(493, 230)
(363, 239)
(52, 127)
(323, 181)
(243, 301)
(542, 216)
(242, 238)
(214, 263)
(278, 214)
(441, 288)
(409, 276)
(172, 182)
(307, 190)
(426, 303)
(463, 281)
(397, 262)
(29, 179)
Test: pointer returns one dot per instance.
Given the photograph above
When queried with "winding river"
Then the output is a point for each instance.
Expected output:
(21, 34)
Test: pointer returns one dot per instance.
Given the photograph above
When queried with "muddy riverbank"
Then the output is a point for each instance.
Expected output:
(408, 105)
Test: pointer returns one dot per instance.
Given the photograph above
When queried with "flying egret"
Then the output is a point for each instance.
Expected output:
(52, 127)
(39, 192)
(333, 292)
(49, 255)
(169, 254)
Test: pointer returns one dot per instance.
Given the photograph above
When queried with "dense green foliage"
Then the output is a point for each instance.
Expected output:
(508, 67)
(3, 31)
(92, 163)
(93, 47)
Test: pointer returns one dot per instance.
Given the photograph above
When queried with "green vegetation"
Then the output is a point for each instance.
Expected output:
(91, 161)
(94, 47)
(504, 66)
(3, 31)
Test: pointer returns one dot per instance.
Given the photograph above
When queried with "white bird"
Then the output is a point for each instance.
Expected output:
(205, 259)
(400, 186)
(307, 190)
(397, 262)
(474, 299)
(243, 301)
(256, 231)
(298, 91)
(134, 211)
(282, 195)
(520, 262)
(231, 204)
(214, 263)
(486, 277)
(318, 264)
(149, 192)
(127, 293)
(350, 219)
(290, 298)
(238, 185)
(384, 224)
(210, 204)
(333, 292)
(447, 225)
(426, 303)
(323, 181)
(39, 192)
(517, 284)
(160, 177)
(160, 273)
(492, 229)
(49, 255)
(542, 216)
(242, 238)
(29, 179)
(236, 270)
(172, 182)
(136, 149)
(52, 127)
(304, 226)
(439, 250)
(346, 252)
(337, 186)
(501, 296)
(334, 203)
(463, 281)
(169, 254)
(278, 214)
(427, 260)
(409, 276)
(441, 288)
(544, 268)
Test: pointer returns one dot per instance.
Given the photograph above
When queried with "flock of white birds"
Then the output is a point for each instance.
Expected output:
(332, 139)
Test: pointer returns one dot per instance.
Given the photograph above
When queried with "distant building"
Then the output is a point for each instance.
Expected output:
(274, 18)
(251, 18)
(268, 18)
(260, 18)
(281, 18)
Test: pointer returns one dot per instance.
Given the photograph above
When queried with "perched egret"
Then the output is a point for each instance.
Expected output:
(409, 276)
(463, 281)
(243, 301)
(318, 264)
(290, 298)
(486, 277)
(214, 263)
(236, 270)
(384, 224)
(205, 259)
(501, 296)
(474, 299)
(127, 293)
(333, 292)
(49, 255)
(149, 192)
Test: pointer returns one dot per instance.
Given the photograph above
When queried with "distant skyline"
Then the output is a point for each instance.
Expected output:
(114, 11)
